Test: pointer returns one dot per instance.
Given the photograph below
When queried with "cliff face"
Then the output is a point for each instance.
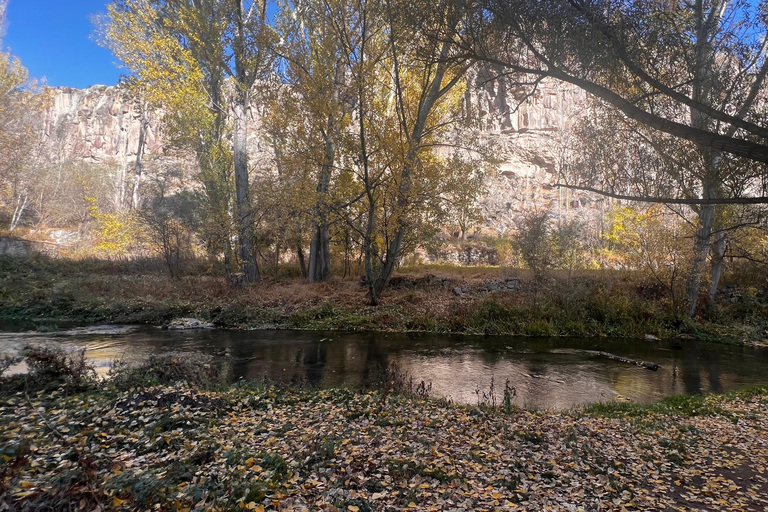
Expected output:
(100, 125)
(528, 132)
(107, 125)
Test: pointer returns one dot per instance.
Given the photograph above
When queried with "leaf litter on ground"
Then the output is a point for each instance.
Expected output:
(261, 448)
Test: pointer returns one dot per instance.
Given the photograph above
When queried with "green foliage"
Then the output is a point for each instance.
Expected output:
(683, 406)
(571, 245)
(493, 317)
(169, 223)
(655, 243)
(534, 241)
(330, 317)
(21, 102)
(504, 247)
(546, 244)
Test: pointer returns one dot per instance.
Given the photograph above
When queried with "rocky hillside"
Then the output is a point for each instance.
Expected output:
(108, 125)
(528, 132)
(100, 124)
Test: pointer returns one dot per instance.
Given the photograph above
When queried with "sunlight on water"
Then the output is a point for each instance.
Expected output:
(542, 373)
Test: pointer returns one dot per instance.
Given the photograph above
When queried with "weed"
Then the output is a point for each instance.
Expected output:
(510, 392)
(277, 464)
(394, 380)
(52, 367)
(489, 398)
(162, 369)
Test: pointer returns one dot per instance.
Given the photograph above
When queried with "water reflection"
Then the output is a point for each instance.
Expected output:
(544, 373)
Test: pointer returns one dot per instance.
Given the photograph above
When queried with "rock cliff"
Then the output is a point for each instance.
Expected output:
(106, 124)
(528, 131)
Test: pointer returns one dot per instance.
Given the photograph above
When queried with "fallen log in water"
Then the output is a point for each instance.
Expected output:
(644, 364)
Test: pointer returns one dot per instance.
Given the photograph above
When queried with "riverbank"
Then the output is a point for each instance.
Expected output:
(50, 293)
(114, 447)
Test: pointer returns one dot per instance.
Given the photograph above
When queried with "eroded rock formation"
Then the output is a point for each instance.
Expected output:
(526, 129)
(99, 124)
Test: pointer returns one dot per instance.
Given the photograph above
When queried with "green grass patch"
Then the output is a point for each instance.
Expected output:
(681, 406)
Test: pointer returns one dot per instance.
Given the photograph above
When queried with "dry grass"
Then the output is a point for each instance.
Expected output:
(296, 293)
(455, 272)
(584, 303)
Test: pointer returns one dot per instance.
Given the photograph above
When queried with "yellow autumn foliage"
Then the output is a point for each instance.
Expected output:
(117, 234)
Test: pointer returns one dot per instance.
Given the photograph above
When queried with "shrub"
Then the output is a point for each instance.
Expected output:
(655, 243)
(52, 367)
(169, 223)
(393, 379)
(534, 241)
(162, 369)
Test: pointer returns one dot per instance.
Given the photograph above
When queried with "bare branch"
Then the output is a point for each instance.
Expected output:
(667, 200)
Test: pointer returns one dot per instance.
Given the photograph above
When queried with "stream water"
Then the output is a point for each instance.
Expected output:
(542, 372)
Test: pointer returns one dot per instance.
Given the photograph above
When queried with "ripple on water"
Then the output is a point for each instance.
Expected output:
(544, 373)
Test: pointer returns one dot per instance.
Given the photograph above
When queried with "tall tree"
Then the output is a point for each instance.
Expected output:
(691, 74)
(251, 40)
(21, 99)
(372, 101)
(192, 46)
(424, 72)
(315, 69)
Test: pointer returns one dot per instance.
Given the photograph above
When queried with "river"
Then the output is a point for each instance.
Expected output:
(539, 372)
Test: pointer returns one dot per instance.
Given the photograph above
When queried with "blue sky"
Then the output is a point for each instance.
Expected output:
(52, 39)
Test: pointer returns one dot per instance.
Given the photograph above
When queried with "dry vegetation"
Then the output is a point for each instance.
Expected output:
(472, 300)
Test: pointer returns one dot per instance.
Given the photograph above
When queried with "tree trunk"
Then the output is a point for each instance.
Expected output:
(718, 262)
(18, 212)
(227, 265)
(703, 92)
(277, 255)
(300, 253)
(320, 247)
(119, 200)
(369, 188)
(396, 244)
(243, 82)
(248, 264)
(433, 92)
(392, 258)
(701, 247)
(368, 247)
(138, 168)
(319, 253)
